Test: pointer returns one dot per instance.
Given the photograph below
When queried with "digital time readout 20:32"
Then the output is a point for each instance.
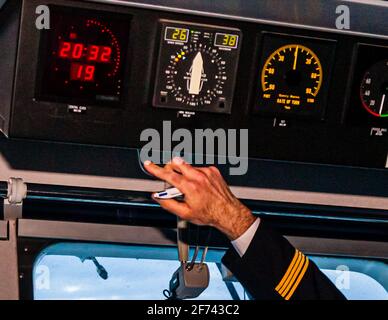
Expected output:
(91, 53)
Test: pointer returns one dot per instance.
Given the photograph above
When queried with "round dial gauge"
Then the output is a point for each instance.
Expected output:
(196, 75)
(374, 89)
(291, 77)
(197, 67)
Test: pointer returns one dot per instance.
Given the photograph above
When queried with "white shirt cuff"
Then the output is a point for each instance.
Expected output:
(241, 244)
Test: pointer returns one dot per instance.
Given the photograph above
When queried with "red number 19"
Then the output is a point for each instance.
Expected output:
(82, 72)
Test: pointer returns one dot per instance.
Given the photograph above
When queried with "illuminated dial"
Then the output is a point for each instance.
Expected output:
(291, 79)
(374, 89)
(83, 58)
(197, 68)
(196, 76)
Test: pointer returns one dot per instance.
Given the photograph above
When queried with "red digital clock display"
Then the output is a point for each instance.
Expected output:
(82, 57)
(94, 53)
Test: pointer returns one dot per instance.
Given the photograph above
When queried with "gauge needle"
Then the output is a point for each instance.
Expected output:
(296, 58)
(382, 104)
(196, 74)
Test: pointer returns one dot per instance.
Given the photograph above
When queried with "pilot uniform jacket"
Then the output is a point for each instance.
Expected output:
(272, 269)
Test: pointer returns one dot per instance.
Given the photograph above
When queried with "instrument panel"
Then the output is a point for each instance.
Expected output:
(197, 67)
(294, 76)
(374, 89)
(370, 86)
(82, 59)
(102, 74)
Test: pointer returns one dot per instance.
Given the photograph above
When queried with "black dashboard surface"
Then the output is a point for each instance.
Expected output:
(344, 133)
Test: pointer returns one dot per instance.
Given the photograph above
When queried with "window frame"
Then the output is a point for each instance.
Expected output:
(35, 236)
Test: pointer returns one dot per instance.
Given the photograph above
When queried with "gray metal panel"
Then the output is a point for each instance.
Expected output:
(265, 194)
(9, 27)
(9, 272)
(154, 236)
(95, 232)
(368, 17)
(347, 248)
(315, 198)
(3, 230)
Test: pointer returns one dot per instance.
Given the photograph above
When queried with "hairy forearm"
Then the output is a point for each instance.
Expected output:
(208, 199)
(236, 223)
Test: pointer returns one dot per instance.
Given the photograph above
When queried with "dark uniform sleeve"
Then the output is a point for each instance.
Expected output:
(272, 268)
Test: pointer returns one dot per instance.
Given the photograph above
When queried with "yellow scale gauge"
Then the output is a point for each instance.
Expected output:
(291, 81)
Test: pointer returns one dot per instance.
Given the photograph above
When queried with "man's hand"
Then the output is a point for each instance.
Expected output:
(208, 199)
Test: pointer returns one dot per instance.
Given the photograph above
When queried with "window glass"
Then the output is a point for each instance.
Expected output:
(93, 271)
(358, 279)
(82, 271)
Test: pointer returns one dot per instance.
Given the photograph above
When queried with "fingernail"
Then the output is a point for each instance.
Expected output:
(178, 160)
(147, 162)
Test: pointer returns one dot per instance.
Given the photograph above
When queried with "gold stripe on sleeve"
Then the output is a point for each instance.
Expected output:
(288, 270)
(296, 284)
(290, 282)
